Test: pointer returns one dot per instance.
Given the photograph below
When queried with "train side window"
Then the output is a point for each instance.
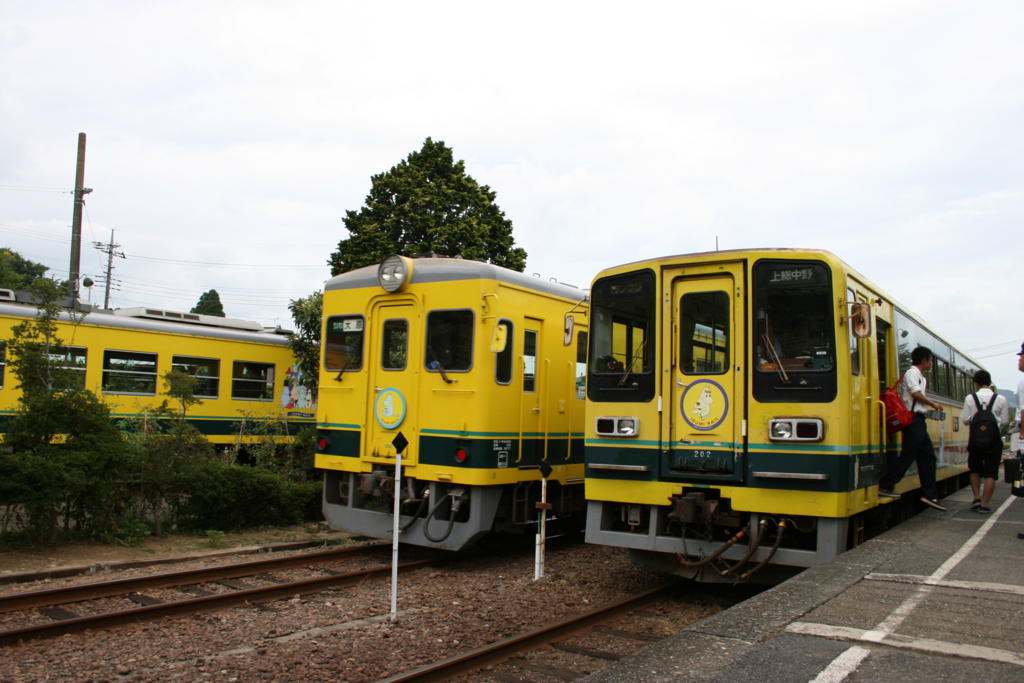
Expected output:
(449, 341)
(705, 333)
(581, 365)
(503, 359)
(206, 372)
(71, 359)
(941, 374)
(252, 381)
(529, 360)
(343, 343)
(395, 344)
(129, 372)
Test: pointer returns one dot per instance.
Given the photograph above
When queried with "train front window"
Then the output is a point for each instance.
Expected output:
(395, 344)
(449, 341)
(794, 332)
(705, 333)
(621, 338)
(343, 343)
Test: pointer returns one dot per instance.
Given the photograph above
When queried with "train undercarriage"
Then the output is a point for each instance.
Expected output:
(449, 516)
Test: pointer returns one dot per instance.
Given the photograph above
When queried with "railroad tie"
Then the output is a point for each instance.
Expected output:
(589, 652)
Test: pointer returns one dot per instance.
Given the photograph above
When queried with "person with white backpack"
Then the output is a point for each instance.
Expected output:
(986, 413)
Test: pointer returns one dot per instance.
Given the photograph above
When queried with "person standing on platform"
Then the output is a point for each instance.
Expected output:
(917, 445)
(1020, 397)
(987, 413)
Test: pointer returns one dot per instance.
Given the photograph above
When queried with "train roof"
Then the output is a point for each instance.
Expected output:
(159, 320)
(451, 269)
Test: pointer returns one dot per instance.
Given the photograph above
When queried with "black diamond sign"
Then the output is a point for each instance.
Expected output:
(400, 442)
(545, 470)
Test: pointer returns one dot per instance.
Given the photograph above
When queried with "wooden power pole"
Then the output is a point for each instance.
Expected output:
(76, 220)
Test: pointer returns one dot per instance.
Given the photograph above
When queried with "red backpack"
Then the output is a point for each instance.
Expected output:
(897, 417)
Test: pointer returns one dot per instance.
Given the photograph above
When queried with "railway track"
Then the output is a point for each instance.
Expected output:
(557, 635)
(55, 603)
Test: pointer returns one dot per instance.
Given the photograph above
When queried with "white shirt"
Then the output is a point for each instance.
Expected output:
(914, 381)
(1000, 409)
(1020, 396)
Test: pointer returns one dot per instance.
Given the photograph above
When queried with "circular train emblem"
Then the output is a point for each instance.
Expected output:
(389, 408)
(704, 405)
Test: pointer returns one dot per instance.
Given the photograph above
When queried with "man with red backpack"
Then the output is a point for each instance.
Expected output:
(917, 445)
(987, 413)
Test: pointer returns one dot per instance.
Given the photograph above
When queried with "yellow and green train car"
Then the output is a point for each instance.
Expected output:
(474, 372)
(734, 427)
(245, 375)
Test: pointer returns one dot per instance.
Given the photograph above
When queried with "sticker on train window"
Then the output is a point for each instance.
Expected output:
(352, 325)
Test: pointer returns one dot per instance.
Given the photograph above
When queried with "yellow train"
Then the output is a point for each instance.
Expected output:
(734, 427)
(476, 371)
(245, 373)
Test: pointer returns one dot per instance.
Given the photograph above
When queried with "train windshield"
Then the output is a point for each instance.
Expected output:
(794, 338)
(343, 347)
(621, 338)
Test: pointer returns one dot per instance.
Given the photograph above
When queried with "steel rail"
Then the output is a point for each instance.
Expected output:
(105, 589)
(191, 606)
(493, 653)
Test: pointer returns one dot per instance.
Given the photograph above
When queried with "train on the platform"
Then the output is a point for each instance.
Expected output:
(246, 376)
(734, 428)
(473, 375)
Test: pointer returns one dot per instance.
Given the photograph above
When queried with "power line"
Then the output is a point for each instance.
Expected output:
(1012, 342)
(29, 188)
(157, 259)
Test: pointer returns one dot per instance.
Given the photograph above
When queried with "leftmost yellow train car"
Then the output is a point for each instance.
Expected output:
(246, 374)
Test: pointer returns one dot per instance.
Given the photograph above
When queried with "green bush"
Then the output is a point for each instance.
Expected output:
(232, 497)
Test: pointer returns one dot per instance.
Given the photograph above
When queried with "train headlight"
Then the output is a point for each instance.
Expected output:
(623, 427)
(796, 429)
(394, 272)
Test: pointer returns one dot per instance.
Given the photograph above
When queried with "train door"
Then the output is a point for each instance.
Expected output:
(394, 374)
(706, 399)
(531, 399)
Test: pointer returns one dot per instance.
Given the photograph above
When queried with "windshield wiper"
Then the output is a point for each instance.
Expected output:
(636, 356)
(769, 345)
(436, 365)
(341, 372)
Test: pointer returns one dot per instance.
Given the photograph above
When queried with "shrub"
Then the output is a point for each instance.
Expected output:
(231, 497)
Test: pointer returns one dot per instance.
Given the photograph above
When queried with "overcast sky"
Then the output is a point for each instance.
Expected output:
(227, 139)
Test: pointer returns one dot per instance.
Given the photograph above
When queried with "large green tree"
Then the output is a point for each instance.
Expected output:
(17, 272)
(209, 304)
(427, 204)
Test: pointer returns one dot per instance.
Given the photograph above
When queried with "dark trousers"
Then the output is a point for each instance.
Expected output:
(917, 447)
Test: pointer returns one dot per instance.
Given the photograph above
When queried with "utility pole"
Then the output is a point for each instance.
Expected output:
(111, 251)
(76, 220)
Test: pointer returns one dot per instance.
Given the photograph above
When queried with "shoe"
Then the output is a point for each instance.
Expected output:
(975, 504)
(933, 503)
(887, 493)
(982, 510)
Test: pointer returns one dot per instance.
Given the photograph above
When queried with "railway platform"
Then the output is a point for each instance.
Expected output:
(938, 598)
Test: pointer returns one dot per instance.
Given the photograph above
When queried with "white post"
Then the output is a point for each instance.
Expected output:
(538, 563)
(394, 536)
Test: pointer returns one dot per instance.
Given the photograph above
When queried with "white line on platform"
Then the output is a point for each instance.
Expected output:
(842, 666)
(885, 631)
(927, 645)
(949, 583)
